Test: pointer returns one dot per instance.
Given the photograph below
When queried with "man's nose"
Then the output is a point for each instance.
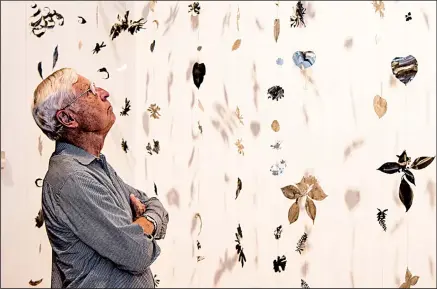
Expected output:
(103, 94)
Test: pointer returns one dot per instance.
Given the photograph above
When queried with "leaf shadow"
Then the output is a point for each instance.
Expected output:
(190, 161)
(169, 85)
(255, 128)
(171, 18)
(431, 189)
(189, 70)
(146, 122)
(227, 264)
(226, 21)
(356, 144)
(258, 24)
(147, 85)
(352, 198)
(255, 86)
(173, 198)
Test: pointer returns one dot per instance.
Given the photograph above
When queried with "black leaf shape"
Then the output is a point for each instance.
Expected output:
(38, 182)
(278, 232)
(403, 159)
(406, 194)
(55, 56)
(81, 20)
(125, 110)
(199, 71)
(124, 145)
(40, 69)
(239, 188)
(275, 92)
(390, 168)
(381, 218)
(409, 176)
(422, 162)
(103, 69)
(156, 189)
(152, 46)
(39, 219)
(279, 263)
(301, 243)
(304, 284)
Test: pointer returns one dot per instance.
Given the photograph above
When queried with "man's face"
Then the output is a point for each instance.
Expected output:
(93, 113)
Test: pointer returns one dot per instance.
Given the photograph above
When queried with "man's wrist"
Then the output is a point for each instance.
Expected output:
(150, 219)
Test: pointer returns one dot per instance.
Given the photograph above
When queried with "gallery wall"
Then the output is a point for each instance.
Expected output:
(330, 123)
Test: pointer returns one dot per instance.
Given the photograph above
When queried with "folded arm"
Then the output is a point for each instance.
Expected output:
(97, 221)
(154, 210)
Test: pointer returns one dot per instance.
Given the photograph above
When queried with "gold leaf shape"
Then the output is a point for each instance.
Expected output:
(236, 44)
(310, 207)
(379, 105)
(293, 213)
(240, 146)
(316, 193)
(291, 192)
(276, 29)
(409, 280)
(239, 115)
(157, 23)
(421, 163)
(275, 126)
(310, 180)
(154, 111)
(379, 7)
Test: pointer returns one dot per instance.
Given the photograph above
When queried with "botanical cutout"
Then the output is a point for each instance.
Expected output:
(238, 19)
(35, 283)
(236, 44)
(239, 188)
(276, 29)
(408, 17)
(381, 218)
(199, 127)
(40, 69)
(41, 21)
(156, 147)
(55, 56)
(238, 247)
(379, 7)
(277, 145)
(194, 8)
(275, 92)
(275, 126)
(404, 165)
(124, 145)
(126, 108)
(404, 68)
(152, 5)
(199, 71)
(98, 47)
(125, 24)
(304, 59)
(155, 189)
(157, 23)
(278, 168)
(297, 20)
(308, 187)
(38, 182)
(39, 219)
(303, 284)
(279, 61)
(301, 243)
(152, 46)
(379, 105)
(279, 264)
(278, 232)
(409, 280)
(155, 278)
(240, 146)
(239, 115)
(103, 69)
(154, 111)
(81, 20)
(80, 44)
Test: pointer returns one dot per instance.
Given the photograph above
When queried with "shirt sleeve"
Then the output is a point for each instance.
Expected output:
(97, 221)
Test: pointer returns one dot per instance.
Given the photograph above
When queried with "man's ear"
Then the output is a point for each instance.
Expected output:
(66, 119)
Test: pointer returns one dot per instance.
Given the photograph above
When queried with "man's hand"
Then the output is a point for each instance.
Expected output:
(147, 226)
(138, 208)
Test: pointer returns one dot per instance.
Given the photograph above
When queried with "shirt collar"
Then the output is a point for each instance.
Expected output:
(82, 156)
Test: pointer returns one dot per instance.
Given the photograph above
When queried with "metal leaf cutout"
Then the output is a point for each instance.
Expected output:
(55, 56)
(293, 212)
(239, 188)
(310, 207)
(422, 162)
(40, 69)
(39, 219)
(152, 46)
(35, 283)
(390, 168)
(409, 176)
(379, 105)
(276, 29)
(199, 71)
(406, 194)
(236, 44)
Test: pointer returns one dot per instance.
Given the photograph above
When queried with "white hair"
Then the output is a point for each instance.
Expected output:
(50, 95)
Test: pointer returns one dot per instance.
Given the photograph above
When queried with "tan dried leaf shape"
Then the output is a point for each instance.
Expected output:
(300, 190)
(379, 7)
(154, 111)
(409, 280)
(379, 105)
(275, 126)
(276, 29)
(236, 44)
(239, 115)
(238, 19)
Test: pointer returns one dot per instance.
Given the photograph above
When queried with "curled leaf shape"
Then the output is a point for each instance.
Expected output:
(291, 192)
(316, 193)
(409, 176)
(390, 168)
(275, 126)
(293, 213)
(236, 44)
(302, 186)
(406, 194)
(310, 207)
(422, 162)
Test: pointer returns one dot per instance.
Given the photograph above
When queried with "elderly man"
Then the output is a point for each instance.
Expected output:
(103, 232)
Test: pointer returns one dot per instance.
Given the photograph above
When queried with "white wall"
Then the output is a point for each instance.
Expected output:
(342, 243)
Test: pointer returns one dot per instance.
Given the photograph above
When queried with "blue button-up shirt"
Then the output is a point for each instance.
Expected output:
(89, 222)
